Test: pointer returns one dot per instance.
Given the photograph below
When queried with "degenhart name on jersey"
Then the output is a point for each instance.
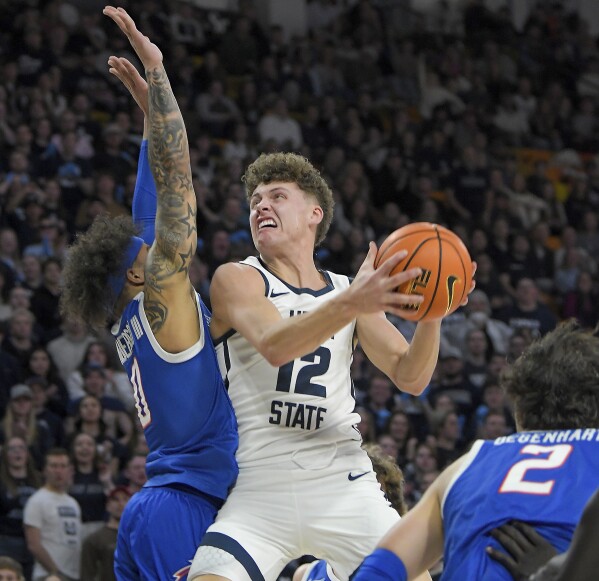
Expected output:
(555, 437)
(291, 414)
(124, 342)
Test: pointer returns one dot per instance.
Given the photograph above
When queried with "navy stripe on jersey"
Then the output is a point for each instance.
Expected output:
(266, 283)
(231, 546)
(224, 337)
(303, 290)
(227, 357)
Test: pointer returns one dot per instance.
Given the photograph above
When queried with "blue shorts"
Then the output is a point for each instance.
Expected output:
(159, 532)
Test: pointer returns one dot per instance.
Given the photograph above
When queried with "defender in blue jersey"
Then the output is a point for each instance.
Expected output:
(543, 475)
(162, 336)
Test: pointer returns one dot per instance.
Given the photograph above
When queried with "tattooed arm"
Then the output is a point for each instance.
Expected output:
(169, 299)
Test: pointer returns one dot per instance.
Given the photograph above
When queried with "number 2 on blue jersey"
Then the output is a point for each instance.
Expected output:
(515, 480)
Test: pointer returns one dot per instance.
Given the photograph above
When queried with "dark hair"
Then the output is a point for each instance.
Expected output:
(53, 452)
(292, 168)
(554, 384)
(95, 255)
(10, 484)
(390, 476)
(110, 360)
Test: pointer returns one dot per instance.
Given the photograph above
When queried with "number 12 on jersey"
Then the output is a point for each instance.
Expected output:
(318, 364)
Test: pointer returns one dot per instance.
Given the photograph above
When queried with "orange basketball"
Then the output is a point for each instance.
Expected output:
(446, 268)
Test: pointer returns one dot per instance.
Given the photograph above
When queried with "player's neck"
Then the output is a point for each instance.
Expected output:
(296, 272)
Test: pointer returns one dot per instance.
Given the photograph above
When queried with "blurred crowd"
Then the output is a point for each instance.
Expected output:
(450, 116)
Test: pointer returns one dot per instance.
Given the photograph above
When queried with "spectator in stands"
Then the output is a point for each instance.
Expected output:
(92, 482)
(67, 351)
(217, 112)
(448, 438)
(379, 400)
(134, 474)
(42, 408)
(582, 302)
(45, 299)
(88, 419)
(278, 125)
(21, 339)
(528, 312)
(117, 382)
(52, 521)
(97, 552)
(18, 481)
(399, 427)
(11, 570)
(494, 426)
(32, 272)
(21, 420)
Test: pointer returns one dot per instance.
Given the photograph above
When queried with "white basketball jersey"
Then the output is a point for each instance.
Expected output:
(305, 405)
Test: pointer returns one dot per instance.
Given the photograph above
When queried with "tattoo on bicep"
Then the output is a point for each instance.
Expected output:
(158, 271)
(156, 314)
(186, 260)
(189, 221)
(168, 241)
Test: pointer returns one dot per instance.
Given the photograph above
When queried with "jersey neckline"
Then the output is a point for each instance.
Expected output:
(303, 290)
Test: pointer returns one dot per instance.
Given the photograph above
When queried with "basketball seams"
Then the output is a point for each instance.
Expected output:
(436, 303)
(458, 252)
(413, 252)
(431, 301)
(390, 243)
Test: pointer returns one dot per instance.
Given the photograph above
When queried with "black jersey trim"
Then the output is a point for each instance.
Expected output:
(224, 337)
(266, 283)
(303, 290)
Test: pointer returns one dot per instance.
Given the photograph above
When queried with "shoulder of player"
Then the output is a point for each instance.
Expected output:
(233, 276)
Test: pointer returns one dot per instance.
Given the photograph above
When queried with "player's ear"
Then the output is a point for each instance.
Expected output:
(135, 275)
(317, 214)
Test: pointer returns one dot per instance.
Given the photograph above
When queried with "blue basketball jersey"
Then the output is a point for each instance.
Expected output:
(542, 478)
(182, 404)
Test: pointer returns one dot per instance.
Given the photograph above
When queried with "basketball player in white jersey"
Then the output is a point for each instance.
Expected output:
(284, 333)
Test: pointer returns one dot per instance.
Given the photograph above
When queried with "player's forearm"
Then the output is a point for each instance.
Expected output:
(168, 151)
(415, 368)
(296, 336)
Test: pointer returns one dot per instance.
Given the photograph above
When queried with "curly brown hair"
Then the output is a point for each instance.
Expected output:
(554, 384)
(292, 168)
(389, 475)
(93, 257)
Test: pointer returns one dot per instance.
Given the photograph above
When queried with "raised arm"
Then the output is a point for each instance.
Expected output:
(144, 194)
(169, 300)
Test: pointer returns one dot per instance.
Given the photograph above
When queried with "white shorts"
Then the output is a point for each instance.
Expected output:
(277, 514)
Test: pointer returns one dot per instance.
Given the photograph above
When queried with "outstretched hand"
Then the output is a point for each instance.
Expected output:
(123, 70)
(149, 54)
(375, 290)
(527, 549)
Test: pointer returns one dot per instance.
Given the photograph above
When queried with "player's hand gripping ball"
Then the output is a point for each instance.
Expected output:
(446, 268)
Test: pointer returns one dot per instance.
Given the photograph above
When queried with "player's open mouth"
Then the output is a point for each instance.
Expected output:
(268, 223)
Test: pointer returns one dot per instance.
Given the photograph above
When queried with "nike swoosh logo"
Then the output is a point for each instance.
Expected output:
(451, 280)
(274, 295)
(351, 476)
